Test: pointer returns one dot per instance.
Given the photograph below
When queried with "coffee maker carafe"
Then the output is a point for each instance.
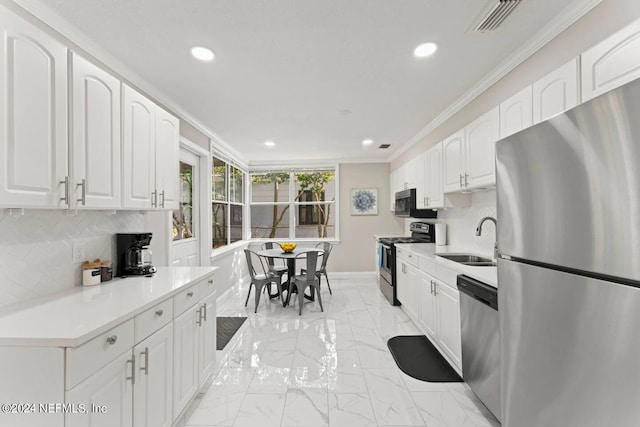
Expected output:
(133, 254)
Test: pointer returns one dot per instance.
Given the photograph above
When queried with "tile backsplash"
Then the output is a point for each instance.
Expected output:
(462, 223)
(36, 248)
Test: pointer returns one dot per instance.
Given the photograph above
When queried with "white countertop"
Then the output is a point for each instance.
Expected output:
(488, 275)
(73, 318)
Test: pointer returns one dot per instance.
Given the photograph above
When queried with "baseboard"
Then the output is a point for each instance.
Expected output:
(353, 275)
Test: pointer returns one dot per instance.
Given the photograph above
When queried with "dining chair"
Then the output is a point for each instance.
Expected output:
(300, 282)
(278, 270)
(326, 248)
(258, 280)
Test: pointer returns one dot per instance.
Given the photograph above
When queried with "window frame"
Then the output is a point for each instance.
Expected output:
(295, 205)
(229, 164)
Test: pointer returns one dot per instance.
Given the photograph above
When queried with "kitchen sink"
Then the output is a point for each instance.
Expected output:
(468, 259)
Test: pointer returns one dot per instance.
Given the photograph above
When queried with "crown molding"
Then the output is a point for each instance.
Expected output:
(42, 15)
(557, 25)
(314, 162)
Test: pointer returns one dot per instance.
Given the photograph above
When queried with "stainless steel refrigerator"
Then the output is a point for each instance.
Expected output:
(568, 193)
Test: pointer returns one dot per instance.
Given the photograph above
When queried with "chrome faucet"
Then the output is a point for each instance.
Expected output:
(479, 232)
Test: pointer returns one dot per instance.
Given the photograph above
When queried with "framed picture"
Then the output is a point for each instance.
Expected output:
(364, 201)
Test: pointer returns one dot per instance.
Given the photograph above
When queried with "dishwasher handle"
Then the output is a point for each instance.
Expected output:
(486, 294)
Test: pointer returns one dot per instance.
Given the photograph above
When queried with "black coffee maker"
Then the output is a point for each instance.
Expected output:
(133, 255)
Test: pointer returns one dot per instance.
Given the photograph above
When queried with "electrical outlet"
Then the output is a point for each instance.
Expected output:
(77, 253)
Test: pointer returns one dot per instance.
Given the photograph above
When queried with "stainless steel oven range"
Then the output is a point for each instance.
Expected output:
(421, 232)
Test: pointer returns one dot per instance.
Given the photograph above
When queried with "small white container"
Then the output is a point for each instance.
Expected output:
(441, 234)
(90, 273)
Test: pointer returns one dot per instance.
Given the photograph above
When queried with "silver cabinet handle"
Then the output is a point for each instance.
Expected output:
(145, 368)
(133, 370)
(159, 312)
(162, 199)
(83, 196)
(204, 312)
(189, 294)
(427, 202)
(435, 288)
(431, 287)
(461, 183)
(65, 182)
(199, 319)
(154, 199)
(112, 339)
(210, 281)
(410, 256)
(466, 179)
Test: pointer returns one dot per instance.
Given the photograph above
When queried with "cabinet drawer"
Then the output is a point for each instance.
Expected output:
(407, 257)
(185, 299)
(153, 319)
(447, 275)
(427, 265)
(86, 359)
(206, 286)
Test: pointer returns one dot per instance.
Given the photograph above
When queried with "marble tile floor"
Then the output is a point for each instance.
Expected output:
(327, 369)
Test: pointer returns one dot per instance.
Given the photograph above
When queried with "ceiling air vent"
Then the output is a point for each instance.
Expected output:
(384, 146)
(494, 15)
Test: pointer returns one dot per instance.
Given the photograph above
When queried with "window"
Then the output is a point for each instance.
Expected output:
(293, 204)
(227, 204)
(183, 216)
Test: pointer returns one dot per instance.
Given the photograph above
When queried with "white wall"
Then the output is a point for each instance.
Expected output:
(36, 248)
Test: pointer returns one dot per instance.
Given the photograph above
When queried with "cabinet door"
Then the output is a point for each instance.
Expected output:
(556, 92)
(401, 282)
(207, 359)
(154, 383)
(410, 170)
(139, 151)
(414, 292)
(611, 63)
(480, 138)
(421, 181)
(111, 387)
(428, 319)
(515, 113)
(448, 301)
(33, 116)
(167, 159)
(186, 330)
(96, 136)
(433, 167)
(454, 161)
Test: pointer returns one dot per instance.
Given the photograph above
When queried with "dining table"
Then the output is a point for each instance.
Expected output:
(290, 258)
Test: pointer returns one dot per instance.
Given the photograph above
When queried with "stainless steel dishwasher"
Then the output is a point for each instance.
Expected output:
(480, 341)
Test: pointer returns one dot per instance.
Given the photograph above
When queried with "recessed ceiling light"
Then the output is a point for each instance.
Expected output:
(367, 142)
(425, 49)
(270, 144)
(202, 53)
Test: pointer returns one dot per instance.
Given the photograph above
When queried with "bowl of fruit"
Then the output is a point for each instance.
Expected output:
(287, 247)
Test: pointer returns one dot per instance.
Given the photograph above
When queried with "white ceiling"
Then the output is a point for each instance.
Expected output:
(285, 69)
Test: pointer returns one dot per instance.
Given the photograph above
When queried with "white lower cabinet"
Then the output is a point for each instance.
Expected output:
(407, 281)
(448, 325)
(207, 357)
(152, 391)
(428, 310)
(186, 331)
(110, 388)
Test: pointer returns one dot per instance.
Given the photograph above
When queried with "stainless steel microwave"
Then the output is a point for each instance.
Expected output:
(406, 206)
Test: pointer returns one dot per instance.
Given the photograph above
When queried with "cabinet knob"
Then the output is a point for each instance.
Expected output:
(210, 281)
(159, 312)
(112, 339)
(190, 294)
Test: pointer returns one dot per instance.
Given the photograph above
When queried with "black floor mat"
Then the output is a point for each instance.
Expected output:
(226, 327)
(417, 357)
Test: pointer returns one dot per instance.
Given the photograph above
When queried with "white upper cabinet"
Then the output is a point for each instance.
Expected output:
(515, 113)
(556, 92)
(167, 155)
(480, 140)
(96, 138)
(151, 145)
(611, 63)
(139, 150)
(454, 161)
(421, 182)
(433, 177)
(33, 117)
